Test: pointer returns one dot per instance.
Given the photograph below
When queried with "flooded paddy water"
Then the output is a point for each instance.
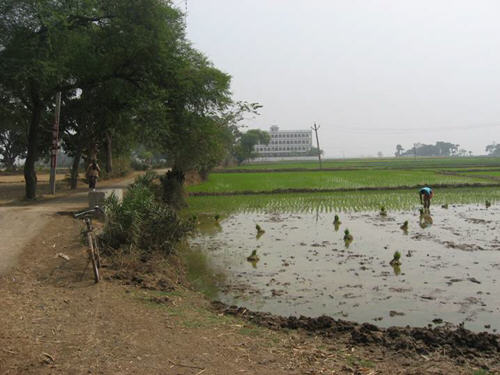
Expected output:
(450, 265)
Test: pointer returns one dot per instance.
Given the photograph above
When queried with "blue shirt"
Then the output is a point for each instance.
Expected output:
(426, 190)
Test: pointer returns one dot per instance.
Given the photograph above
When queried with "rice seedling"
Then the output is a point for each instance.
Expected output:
(405, 226)
(253, 257)
(396, 259)
(260, 231)
(348, 236)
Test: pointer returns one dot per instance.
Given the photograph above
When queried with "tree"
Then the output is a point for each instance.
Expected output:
(439, 149)
(493, 149)
(399, 150)
(128, 76)
(244, 149)
(12, 133)
(48, 46)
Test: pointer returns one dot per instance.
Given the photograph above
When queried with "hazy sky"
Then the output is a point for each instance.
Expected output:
(372, 73)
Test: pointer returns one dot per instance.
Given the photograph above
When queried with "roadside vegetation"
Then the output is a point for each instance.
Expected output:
(142, 222)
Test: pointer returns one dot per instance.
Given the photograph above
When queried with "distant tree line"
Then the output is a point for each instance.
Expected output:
(128, 77)
(493, 149)
(438, 149)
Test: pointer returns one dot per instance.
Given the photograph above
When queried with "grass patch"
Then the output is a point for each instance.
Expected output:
(250, 331)
(239, 182)
(480, 372)
(359, 362)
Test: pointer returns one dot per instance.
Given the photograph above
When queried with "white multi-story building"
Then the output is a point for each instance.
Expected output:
(286, 143)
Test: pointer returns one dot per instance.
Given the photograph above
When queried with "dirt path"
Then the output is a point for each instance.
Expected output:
(20, 223)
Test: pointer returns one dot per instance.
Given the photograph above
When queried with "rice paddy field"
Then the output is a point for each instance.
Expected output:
(323, 180)
(449, 256)
(485, 173)
(406, 163)
(336, 201)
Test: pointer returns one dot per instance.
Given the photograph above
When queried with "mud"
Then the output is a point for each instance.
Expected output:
(451, 341)
(448, 272)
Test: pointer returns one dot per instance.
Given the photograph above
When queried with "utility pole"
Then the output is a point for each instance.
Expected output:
(316, 128)
(55, 145)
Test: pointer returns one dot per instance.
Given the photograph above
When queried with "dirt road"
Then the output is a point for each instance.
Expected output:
(20, 223)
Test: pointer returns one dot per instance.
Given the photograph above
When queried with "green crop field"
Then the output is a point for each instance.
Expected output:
(337, 201)
(364, 173)
(352, 179)
(406, 163)
(485, 173)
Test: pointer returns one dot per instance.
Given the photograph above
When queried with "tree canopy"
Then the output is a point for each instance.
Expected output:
(127, 75)
(493, 149)
(244, 149)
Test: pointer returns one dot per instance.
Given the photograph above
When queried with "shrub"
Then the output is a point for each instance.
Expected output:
(147, 180)
(142, 222)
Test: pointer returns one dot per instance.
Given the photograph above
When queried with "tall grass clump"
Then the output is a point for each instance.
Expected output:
(143, 222)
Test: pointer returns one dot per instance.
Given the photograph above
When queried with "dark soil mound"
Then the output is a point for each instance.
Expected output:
(452, 341)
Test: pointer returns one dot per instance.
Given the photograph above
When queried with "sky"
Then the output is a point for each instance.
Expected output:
(370, 73)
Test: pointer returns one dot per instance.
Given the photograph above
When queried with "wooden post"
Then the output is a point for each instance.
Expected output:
(316, 128)
(55, 145)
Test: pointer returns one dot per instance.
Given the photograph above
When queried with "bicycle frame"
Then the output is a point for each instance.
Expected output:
(93, 250)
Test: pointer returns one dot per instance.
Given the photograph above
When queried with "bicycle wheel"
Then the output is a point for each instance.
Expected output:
(97, 253)
(93, 258)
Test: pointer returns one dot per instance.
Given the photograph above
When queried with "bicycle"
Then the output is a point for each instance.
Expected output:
(93, 247)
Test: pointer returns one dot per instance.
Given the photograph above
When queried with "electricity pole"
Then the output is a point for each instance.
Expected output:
(316, 128)
(55, 145)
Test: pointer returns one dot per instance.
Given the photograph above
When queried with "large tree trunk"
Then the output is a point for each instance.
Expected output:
(173, 188)
(32, 156)
(74, 169)
(92, 152)
(109, 153)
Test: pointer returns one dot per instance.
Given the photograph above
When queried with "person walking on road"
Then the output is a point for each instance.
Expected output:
(93, 171)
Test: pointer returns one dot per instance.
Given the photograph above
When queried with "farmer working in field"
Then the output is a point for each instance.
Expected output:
(93, 173)
(425, 196)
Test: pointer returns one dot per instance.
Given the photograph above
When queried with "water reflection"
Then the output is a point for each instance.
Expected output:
(425, 220)
(306, 268)
(397, 269)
